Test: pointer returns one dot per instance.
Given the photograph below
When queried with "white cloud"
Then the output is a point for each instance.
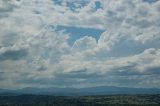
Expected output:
(143, 65)
(84, 43)
(32, 52)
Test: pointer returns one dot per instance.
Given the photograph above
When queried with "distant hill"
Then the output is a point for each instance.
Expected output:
(101, 90)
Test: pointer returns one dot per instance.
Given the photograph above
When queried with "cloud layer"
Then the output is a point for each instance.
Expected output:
(34, 53)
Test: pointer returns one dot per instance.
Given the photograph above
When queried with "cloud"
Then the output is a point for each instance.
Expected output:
(7, 6)
(84, 43)
(142, 65)
(34, 53)
(12, 54)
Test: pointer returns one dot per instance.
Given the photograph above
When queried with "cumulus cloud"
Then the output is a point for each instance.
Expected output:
(84, 43)
(7, 6)
(12, 54)
(34, 53)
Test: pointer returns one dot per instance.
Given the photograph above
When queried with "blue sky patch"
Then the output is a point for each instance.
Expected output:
(72, 4)
(150, 1)
(77, 32)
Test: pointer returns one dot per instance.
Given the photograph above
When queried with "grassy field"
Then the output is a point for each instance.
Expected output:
(109, 100)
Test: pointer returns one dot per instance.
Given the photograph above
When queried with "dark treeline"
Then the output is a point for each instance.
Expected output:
(112, 100)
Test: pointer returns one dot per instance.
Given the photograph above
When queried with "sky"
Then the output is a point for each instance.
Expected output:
(79, 43)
